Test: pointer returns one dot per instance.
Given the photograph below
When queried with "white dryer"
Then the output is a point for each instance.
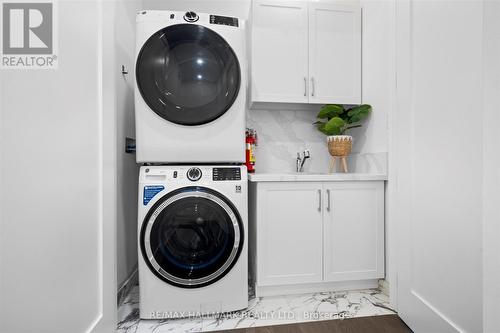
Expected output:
(192, 240)
(190, 88)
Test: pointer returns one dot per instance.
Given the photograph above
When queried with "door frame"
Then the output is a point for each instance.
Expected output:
(391, 232)
(107, 320)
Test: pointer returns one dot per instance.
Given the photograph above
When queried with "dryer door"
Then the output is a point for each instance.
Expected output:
(188, 74)
(192, 237)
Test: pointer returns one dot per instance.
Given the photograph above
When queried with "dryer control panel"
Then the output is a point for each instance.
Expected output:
(224, 20)
(220, 174)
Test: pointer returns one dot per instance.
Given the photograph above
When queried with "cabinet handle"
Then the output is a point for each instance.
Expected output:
(319, 196)
(328, 202)
(305, 86)
(312, 91)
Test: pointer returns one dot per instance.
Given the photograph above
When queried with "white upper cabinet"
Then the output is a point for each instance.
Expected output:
(279, 51)
(306, 52)
(334, 53)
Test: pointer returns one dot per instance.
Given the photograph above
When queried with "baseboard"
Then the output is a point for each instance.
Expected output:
(261, 291)
(384, 286)
(123, 290)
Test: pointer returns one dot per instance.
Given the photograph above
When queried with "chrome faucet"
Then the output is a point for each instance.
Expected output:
(301, 160)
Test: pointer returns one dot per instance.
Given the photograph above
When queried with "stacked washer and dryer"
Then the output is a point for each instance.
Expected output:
(190, 125)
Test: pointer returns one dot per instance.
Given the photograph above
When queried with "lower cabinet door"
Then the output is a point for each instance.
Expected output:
(353, 230)
(289, 233)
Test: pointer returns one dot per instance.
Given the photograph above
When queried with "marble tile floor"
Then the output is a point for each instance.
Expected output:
(262, 311)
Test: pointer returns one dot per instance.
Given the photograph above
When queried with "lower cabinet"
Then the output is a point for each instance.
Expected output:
(318, 232)
(353, 231)
(289, 241)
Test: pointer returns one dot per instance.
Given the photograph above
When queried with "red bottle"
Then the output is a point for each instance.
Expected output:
(250, 143)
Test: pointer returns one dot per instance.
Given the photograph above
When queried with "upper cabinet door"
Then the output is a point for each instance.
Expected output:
(279, 51)
(334, 53)
(354, 231)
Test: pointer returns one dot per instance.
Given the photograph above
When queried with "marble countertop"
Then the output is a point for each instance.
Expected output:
(313, 177)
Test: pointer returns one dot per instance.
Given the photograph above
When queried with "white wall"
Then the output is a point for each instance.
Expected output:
(378, 73)
(56, 230)
(127, 169)
(285, 132)
(491, 159)
(379, 85)
(68, 190)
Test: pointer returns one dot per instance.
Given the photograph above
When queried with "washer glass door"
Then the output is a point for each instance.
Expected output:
(188, 74)
(192, 237)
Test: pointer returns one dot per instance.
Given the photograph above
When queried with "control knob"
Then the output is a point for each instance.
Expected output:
(194, 174)
(191, 17)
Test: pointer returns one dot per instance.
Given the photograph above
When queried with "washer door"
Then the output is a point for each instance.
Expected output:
(188, 74)
(192, 237)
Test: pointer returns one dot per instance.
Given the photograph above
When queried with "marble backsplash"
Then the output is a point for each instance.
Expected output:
(283, 133)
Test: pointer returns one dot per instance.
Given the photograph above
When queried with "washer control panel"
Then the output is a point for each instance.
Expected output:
(221, 174)
(194, 174)
(191, 174)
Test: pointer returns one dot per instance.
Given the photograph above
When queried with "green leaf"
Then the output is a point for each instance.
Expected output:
(350, 127)
(359, 113)
(329, 111)
(334, 126)
(321, 127)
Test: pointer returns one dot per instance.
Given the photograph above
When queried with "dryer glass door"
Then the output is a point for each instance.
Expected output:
(192, 237)
(188, 74)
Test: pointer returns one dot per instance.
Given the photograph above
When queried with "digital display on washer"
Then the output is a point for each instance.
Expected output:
(226, 174)
(224, 20)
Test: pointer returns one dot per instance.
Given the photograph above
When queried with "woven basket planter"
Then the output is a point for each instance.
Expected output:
(339, 145)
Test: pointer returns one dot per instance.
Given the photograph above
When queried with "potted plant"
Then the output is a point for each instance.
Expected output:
(334, 121)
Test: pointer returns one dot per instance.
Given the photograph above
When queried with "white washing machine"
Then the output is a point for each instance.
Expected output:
(192, 240)
(190, 88)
